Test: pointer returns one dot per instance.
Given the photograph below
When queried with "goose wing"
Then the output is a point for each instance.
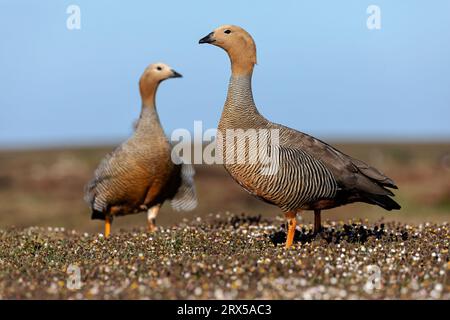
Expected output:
(350, 173)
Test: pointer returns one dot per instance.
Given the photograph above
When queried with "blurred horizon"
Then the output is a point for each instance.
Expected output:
(320, 69)
(113, 143)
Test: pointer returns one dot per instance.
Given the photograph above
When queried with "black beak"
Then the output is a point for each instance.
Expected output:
(176, 74)
(207, 39)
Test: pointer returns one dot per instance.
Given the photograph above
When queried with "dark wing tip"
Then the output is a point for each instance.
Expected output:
(383, 201)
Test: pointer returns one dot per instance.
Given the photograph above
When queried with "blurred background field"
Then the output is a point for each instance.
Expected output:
(45, 188)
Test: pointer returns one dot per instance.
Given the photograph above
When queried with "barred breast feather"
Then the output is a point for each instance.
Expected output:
(311, 174)
(299, 179)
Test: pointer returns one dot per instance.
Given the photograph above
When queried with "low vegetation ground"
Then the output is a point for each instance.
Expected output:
(228, 257)
(47, 237)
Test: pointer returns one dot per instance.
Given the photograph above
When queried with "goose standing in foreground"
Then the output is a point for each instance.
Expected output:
(140, 174)
(312, 175)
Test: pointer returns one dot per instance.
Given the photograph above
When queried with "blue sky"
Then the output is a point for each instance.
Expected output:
(320, 70)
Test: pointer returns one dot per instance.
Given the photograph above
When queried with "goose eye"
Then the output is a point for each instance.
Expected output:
(227, 31)
(158, 68)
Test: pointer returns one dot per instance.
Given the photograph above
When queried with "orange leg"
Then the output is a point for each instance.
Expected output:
(151, 218)
(317, 221)
(108, 222)
(292, 222)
